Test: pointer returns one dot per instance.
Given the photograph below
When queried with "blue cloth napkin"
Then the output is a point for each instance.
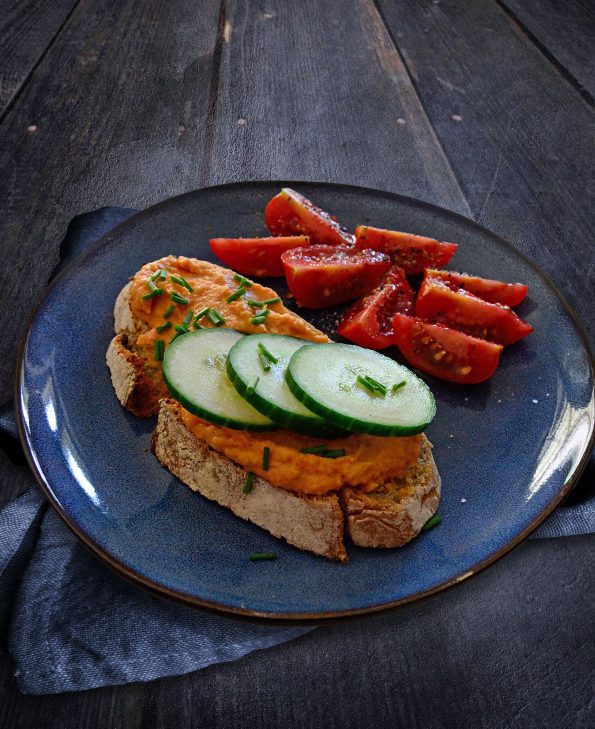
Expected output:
(71, 623)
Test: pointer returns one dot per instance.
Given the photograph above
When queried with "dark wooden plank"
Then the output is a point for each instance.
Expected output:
(502, 650)
(565, 31)
(316, 91)
(26, 30)
(520, 138)
(119, 104)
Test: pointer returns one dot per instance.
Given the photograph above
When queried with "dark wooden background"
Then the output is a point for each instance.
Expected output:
(484, 107)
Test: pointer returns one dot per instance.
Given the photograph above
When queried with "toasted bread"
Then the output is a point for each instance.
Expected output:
(390, 516)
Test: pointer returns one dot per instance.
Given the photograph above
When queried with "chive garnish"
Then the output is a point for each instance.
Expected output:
(236, 294)
(247, 487)
(242, 281)
(399, 385)
(168, 311)
(365, 383)
(257, 304)
(181, 329)
(258, 320)
(371, 384)
(175, 296)
(338, 453)
(267, 354)
(434, 521)
(216, 317)
(160, 273)
(188, 319)
(159, 347)
(181, 282)
(163, 327)
(202, 313)
(378, 385)
(315, 450)
(264, 362)
(276, 300)
(260, 556)
(252, 386)
(153, 291)
(198, 326)
(266, 453)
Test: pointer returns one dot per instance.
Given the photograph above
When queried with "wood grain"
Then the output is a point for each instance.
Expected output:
(26, 30)
(502, 650)
(565, 32)
(519, 137)
(119, 103)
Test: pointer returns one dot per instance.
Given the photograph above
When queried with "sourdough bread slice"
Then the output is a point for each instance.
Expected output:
(312, 523)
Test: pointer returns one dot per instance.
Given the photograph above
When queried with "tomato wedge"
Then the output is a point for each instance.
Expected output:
(437, 303)
(320, 276)
(412, 252)
(443, 352)
(369, 321)
(290, 213)
(256, 256)
(496, 292)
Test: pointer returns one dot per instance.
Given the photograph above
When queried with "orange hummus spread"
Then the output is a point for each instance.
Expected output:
(368, 462)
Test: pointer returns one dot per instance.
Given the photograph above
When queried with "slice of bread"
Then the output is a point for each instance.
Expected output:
(390, 516)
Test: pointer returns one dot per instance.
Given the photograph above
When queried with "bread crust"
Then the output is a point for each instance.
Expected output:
(312, 523)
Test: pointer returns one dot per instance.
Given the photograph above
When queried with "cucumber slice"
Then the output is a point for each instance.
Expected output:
(194, 372)
(267, 391)
(324, 378)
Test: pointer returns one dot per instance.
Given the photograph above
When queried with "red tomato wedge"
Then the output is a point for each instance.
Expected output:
(320, 276)
(496, 292)
(412, 252)
(369, 321)
(290, 213)
(443, 352)
(256, 256)
(468, 313)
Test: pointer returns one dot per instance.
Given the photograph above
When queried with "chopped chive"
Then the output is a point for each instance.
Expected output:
(399, 385)
(216, 317)
(315, 450)
(188, 318)
(434, 521)
(264, 312)
(261, 556)
(181, 329)
(163, 327)
(160, 273)
(153, 291)
(257, 304)
(247, 487)
(197, 325)
(175, 296)
(159, 347)
(181, 282)
(242, 281)
(365, 383)
(338, 453)
(266, 302)
(266, 453)
(168, 311)
(236, 294)
(371, 384)
(252, 386)
(258, 320)
(267, 354)
(378, 385)
(264, 362)
(202, 313)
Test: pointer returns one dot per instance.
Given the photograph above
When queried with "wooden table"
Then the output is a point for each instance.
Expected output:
(483, 107)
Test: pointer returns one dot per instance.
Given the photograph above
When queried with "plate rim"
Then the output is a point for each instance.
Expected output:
(178, 596)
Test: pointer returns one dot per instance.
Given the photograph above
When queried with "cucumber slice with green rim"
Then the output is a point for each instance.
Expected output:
(325, 378)
(267, 391)
(194, 372)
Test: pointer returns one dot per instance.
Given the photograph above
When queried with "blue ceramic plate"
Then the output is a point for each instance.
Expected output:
(508, 450)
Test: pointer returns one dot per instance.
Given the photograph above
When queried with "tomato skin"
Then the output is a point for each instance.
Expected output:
(496, 292)
(445, 353)
(290, 213)
(460, 310)
(369, 320)
(412, 252)
(320, 276)
(256, 256)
